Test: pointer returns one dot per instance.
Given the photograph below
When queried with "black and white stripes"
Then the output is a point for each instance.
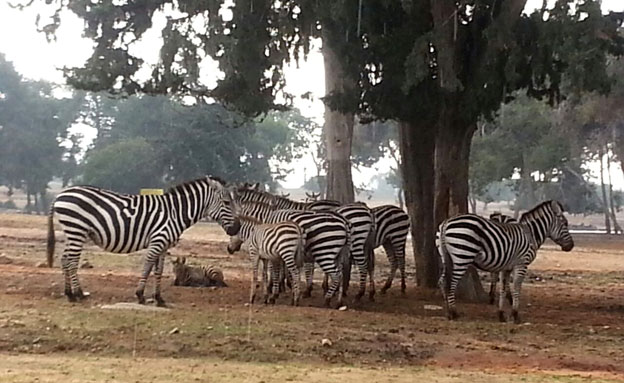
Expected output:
(122, 223)
(497, 247)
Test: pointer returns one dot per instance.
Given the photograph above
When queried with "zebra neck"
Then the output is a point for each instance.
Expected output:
(186, 209)
(537, 229)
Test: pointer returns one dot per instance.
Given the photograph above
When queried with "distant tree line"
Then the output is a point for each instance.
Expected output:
(148, 141)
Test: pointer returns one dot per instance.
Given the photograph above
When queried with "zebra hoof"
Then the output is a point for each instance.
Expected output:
(371, 296)
(515, 316)
(501, 317)
(159, 301)
(452, 315)
(271, 301)
(403, 288)
(492, 299)
(358, 296)
(384, 290)
(327, 302)
(80, 295)
(70, 296)
(306, 294)
(140, 297)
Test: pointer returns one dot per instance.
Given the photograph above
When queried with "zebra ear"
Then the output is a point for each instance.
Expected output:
(556, 206)
(214, 183)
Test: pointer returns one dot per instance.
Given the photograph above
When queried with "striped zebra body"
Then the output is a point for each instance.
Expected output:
(327, 238)
(196, 276)
(362, 223)
(492, 246)
(123, 223)
(392, 226)
(502, 218)
(277, 243)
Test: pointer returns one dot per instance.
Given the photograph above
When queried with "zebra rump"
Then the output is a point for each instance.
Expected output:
(196, 276)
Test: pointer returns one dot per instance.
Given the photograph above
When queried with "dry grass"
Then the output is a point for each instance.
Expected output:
(573, 301)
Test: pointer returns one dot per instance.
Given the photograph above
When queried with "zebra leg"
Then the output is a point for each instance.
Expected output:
(360, 259)
(308, 268)
(458, 272)
(289, 263)
(504, 287)
(401, 261)
(150, 261)
(392, 259)
(371, 276)
(336, 281)
(518, 278)
(158, 271)
(255, 259)
(267, 267)
(69, 261)
(346, 273)
(277, 270)
(493, 280)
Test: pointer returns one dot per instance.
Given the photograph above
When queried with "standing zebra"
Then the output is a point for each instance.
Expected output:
(492, 246)
(122, 223)
(276, 243)
(391, 227)
(327, 238)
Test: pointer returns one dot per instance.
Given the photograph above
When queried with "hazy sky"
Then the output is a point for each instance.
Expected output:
(35, 58)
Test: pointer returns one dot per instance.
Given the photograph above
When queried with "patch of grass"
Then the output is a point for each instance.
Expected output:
(53, 369)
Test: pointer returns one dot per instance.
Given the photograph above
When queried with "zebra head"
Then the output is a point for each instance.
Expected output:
(559, 227)
(224, 206)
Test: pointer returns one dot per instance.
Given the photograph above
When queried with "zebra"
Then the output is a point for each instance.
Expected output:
(276, 243)
(360, 218)
(391, 227)
(122, 223)
(196, 276)
(327, 240)
(252, 193)
(497, 247)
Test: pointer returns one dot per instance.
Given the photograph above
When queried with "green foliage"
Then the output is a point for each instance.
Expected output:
(125, 166)
(181, 142)
(33, 124)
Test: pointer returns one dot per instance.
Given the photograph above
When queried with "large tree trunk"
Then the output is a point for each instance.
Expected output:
(417, 142)
(337, 132)
(605, 201)
(452, 157)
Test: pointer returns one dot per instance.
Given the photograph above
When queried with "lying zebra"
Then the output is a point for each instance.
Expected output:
(492, 246)
(196, 276)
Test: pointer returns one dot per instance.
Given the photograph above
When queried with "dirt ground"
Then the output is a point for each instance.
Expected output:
(573, 308)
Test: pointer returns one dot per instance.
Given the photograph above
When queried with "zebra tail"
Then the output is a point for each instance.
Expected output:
(446, 259)
(51, 238)
(369, 245)
(300, 251)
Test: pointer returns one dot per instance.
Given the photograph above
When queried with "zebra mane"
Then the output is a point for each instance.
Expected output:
(544, 205)
(180, 187)
(248, 218)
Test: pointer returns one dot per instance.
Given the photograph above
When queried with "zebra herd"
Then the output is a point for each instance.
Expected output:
(287, 236)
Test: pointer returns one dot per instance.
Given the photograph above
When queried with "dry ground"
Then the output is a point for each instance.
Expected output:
(573, 307)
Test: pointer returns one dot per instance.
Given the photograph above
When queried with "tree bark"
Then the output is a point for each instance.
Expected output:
(337, 132)
(452, 160)
(417, 141)
(605, 206)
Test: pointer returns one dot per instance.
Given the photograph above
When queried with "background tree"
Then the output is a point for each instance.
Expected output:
(33, 124)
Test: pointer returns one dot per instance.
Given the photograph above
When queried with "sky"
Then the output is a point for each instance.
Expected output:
(36, 58)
